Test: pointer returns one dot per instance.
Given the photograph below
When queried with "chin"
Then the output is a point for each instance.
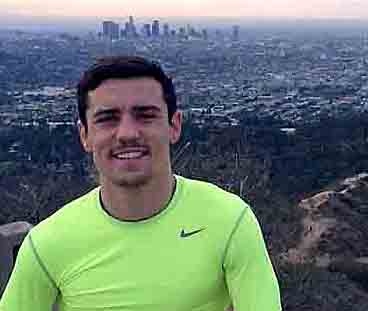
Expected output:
(133, 181)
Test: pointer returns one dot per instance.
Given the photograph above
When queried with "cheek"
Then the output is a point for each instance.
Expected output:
(101, 143)
(162, 139)
(156, 135)
(159, 145)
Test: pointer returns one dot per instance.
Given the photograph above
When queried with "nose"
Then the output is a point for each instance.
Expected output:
(128, 129)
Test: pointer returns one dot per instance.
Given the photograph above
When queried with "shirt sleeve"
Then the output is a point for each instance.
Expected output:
(249, 274)
(30, 287)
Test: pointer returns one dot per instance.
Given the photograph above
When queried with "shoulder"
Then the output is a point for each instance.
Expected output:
(57, 235)
(69, 214)
(205, 205)
(209, 192)
(213, 201)
(64, 223)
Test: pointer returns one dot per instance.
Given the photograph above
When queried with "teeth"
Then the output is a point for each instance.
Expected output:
(129, 155)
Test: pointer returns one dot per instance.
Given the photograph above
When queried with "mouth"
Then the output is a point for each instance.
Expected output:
(131, 154)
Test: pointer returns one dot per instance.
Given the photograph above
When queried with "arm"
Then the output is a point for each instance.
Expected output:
(30, 286)
(249, 274)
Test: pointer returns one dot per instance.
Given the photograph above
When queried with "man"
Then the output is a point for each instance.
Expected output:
(146, 239)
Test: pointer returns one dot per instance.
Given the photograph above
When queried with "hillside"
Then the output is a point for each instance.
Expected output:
(305, 189)
(330, 257)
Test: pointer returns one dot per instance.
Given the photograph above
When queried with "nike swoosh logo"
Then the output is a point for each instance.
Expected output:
(184, 234)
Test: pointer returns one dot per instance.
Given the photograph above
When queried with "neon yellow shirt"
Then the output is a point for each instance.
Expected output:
(204, 251)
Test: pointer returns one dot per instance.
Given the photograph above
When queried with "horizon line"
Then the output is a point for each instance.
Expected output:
(251, 17)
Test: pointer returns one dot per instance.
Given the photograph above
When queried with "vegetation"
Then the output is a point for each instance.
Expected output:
(267, 167)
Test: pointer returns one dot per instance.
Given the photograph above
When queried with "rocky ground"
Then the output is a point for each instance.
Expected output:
(328, 267)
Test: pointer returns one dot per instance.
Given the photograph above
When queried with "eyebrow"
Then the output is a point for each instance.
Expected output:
(146, 108)
(136, 109)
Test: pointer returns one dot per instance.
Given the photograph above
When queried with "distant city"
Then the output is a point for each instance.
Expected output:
(113, 31)
(222, 75)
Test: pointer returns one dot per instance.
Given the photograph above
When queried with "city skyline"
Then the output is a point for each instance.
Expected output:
(206, 8)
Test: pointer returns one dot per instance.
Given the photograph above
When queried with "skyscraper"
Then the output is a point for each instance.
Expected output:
(115, 31)
(132, 28)
(155, 28)
(204, 34)
(106, 26)
(166, 30)
(110, 30)
(127, 29)
(147, 30)
(191, 31)
(182, 32)
(235, 34)
(219, 34)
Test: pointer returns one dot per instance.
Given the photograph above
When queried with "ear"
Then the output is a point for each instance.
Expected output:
(175, 127)
(83, 136)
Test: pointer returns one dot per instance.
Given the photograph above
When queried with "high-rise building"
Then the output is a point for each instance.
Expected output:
(188, 28)
(166, 30)
(127, 29)
(204, 34)
(192, 32)
(219, 34)
(110, 30)
(115, 31)
(106, 26)
(122, 33)
(155, 28)
(147, 30)
(182, 32)
(235, 34)
(132, 28)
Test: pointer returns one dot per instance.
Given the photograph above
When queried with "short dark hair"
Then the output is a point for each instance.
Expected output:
(123, 67)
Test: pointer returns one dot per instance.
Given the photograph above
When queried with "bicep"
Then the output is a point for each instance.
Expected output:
(250, 277)
(29, 286)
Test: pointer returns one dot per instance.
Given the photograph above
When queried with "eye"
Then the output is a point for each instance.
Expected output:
(106, 119)
(145, 116)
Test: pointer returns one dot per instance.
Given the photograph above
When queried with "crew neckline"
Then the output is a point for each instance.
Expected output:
(154, 218)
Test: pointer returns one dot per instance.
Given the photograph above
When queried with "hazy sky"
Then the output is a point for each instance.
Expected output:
(255, 8)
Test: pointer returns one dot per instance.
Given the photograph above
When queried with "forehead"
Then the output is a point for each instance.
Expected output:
(127, 92)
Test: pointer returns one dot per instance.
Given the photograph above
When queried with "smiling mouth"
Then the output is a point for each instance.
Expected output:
(130, 154)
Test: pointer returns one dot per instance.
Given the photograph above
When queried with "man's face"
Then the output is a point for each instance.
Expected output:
(128, 131)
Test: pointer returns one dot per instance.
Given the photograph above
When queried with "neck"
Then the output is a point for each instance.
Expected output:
(137, 203)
